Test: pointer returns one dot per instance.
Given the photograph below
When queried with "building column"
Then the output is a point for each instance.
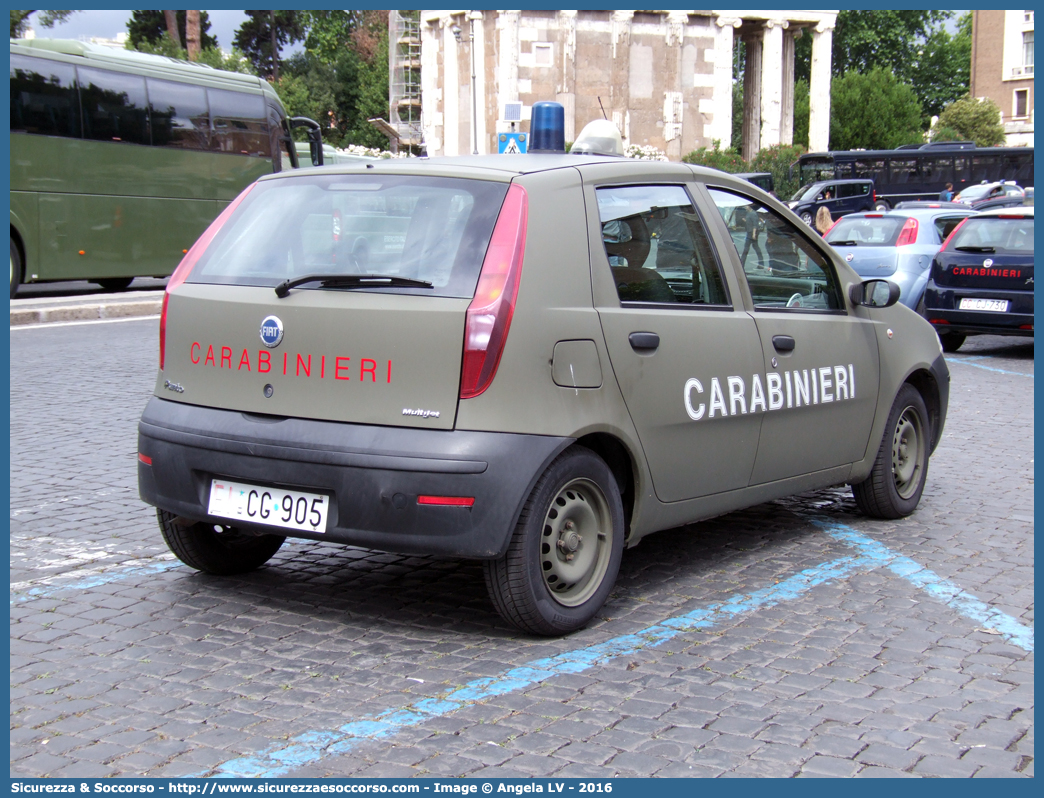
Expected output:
(567, 97)
(450, 89)
(752, 96)
(432, 116)
(819, 88)
(786, 132)
(771, 82)
(476, 18)
(720, 127)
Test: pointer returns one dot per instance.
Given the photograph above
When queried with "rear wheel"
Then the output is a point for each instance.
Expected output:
(114, 283)
(566, 549)
(951, 342)
(881, 205)
(225, 552)
(16, 268)
(897, 480)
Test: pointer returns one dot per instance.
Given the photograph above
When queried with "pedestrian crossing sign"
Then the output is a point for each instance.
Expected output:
(511, 143)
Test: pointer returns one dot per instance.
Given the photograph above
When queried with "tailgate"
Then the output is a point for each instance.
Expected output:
(871, 261)
(995, 272)
(357, 356)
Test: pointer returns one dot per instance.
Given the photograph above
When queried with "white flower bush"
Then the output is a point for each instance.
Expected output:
(644, 152)
(372, 152)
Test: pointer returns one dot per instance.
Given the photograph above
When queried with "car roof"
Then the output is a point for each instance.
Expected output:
(1017, 210)
(910, 213)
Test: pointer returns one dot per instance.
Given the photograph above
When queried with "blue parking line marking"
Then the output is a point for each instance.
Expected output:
(95, 580)
(934, 585)
(314, 745)
(968, 361)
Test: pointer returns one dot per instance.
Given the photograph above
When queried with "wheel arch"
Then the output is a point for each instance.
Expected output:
(616, 455)
(16, 236)
(925, 383)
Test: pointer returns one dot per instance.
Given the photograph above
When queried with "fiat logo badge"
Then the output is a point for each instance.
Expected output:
(271, 331)
(988, 262)
(849, 257)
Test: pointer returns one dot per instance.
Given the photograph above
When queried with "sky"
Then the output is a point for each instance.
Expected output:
(106, 24)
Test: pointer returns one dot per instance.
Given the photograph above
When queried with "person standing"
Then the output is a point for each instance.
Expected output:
(823, 220)
(946, 195)
(752, 225)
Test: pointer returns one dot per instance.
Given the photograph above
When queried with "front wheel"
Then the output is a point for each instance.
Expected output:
(566, 549)
(897, 480)
(114, 283)
(806, 217)
(215, 549)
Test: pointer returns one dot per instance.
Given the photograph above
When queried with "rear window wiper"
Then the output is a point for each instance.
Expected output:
(351, 281)
(975, 249)
(843, 243)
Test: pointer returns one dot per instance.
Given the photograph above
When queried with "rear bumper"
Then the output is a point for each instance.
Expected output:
(943, 303)
(372, 474)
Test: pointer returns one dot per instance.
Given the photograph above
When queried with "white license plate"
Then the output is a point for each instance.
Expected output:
(996, 305)
(289, 509)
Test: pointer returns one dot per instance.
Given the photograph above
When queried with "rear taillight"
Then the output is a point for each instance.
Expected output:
(187, 262)
(489, 314)
(874, 193)
(908, 235)
(953, 232)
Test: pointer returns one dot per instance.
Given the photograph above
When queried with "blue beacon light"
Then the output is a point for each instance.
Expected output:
(547, 128)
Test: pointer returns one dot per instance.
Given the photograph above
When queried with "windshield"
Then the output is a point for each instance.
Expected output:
(801, 192)
(996, 233)
(863, 231)
(424, 228)
(974, 192)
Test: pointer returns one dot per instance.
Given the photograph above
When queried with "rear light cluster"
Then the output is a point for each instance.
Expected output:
(185, 267)
(908, 235)
(489, 314)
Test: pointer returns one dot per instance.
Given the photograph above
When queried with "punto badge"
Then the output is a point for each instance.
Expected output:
(271, 331)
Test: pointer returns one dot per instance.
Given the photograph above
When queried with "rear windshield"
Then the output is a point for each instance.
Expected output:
(996, 233)
(862, 231)
(425, 228)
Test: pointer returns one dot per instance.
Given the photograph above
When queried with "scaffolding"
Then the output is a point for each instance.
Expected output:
(404, 89)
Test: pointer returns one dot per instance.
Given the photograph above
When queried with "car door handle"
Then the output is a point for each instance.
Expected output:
(644, 342)
(783, 343)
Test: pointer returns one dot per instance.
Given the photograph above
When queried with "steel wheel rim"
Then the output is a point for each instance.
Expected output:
(908, 450)
(576, 542)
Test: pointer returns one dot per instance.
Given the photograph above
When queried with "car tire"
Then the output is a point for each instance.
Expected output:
(897, 480)
(16, 268)
(565, 553)
(201, 546)
(951, 342)
(881, 205)
(114, 283)
(806, 217)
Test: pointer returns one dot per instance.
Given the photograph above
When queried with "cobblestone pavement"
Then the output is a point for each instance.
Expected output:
(124, 662)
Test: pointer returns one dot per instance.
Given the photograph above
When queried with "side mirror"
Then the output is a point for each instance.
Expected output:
(874, 293)
(315, 137)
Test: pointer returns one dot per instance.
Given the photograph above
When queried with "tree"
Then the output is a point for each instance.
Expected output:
(802, 109)
(171, 20)
(941, 72)
(47, 19)
(149, 27)
(873, 111)
(716, 158)
(777, 160)
(263, 33)
(974, 120)
(192, 34)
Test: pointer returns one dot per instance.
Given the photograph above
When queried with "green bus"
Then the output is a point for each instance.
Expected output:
(120, 160)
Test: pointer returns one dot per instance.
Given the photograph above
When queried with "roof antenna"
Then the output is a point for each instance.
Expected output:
(602, 107)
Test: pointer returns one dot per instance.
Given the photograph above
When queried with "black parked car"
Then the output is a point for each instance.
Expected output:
(840, 197)
(982, 278)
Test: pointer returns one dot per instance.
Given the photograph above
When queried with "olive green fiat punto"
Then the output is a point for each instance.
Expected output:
(530, 360)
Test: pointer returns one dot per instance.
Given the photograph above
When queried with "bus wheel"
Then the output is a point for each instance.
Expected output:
(114, 283)
(16, 268)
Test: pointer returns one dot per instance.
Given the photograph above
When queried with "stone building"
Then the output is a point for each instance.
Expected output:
(664, 77)
(1002, 68)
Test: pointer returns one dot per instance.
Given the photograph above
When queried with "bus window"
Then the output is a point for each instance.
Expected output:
(938, 169)
(870, 168)
(179, 115)
(43, 98)
(114, 106)
(984, 168)
(960, 169)
(238, 123)
(904, 170)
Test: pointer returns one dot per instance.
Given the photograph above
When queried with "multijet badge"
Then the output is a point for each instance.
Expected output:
(271, 331)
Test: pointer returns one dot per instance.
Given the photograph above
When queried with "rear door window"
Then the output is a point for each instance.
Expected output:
(238, 123)
(657, 246)
(424, 228)
(179, 115)
(115, 107)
